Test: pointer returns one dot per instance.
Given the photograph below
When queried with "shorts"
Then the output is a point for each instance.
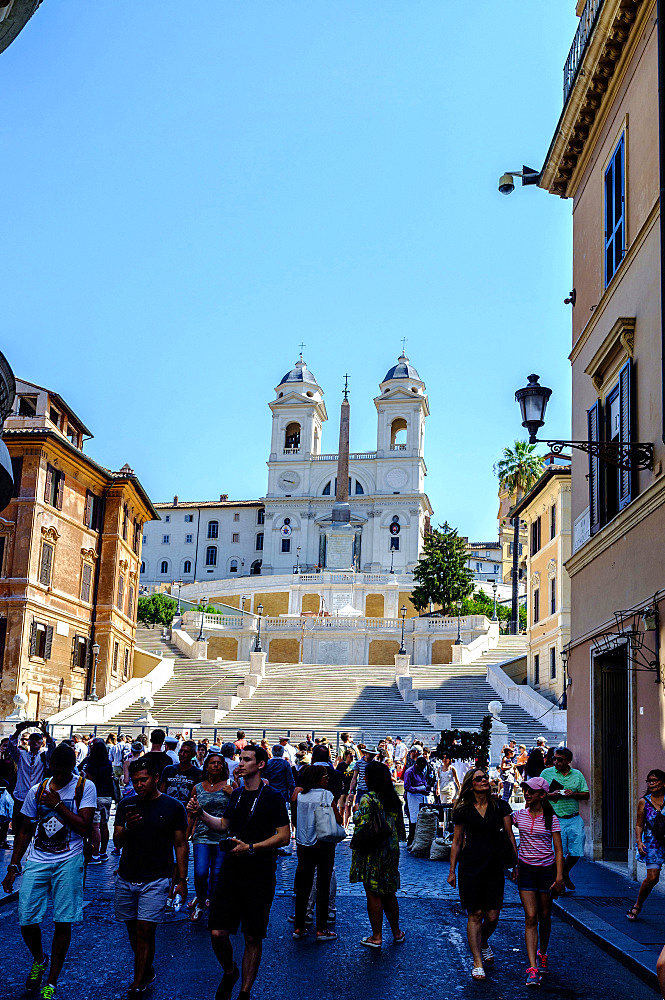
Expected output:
(141, 900)
(535, 878)
(572, 836)
(242, 897)
(103, 810)
(64, 879)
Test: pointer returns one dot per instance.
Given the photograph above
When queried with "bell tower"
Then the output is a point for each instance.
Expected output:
(298, 414)
(402, 407)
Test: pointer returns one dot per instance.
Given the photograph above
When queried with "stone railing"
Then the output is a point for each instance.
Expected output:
(290, 451)
(354, 456)
(359, 623)
(552, 718)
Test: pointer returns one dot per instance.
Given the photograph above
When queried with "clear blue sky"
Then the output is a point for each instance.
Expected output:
(190, 190)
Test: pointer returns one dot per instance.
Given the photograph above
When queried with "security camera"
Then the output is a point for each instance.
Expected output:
(506, 184)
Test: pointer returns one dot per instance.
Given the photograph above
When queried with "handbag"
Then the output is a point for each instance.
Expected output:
(6, 806)
(328, 830)
(372, 834)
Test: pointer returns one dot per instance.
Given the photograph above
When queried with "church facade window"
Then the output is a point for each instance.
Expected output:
(325, 492)
(211, 555)
(286, 545)
(213, 529)
(292, 436)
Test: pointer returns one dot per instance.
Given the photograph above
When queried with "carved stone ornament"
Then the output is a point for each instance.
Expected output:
(89, 555)
(535, 579)
(551, 568)
(50, 533)
(123, 565)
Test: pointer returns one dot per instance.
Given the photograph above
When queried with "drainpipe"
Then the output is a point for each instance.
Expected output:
(661, 168)
(95, 589)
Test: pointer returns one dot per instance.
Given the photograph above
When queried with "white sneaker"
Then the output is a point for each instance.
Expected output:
(196, 914)
(488, 954)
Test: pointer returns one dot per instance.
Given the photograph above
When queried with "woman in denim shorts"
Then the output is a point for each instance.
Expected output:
(650, 848)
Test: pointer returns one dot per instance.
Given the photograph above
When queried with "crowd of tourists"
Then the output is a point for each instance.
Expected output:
(241, 803)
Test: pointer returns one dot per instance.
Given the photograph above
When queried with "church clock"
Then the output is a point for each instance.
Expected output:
(288, 481)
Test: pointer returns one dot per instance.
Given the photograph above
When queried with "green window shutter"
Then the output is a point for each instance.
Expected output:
(60, 490)
(33, 639)
(49, 483)
(48, 645)
(625, 403)
(593, 428)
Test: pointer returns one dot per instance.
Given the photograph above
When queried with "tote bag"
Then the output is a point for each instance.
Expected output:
(328, 830)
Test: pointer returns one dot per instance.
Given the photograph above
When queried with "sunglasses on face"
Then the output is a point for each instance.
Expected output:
(653, 779)
(481, 777)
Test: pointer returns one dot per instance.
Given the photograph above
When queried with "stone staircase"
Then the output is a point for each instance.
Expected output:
(463, 691)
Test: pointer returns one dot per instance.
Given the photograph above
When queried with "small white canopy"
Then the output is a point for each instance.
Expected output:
(348, 611)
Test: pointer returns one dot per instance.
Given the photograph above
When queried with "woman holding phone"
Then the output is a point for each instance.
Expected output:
(214, 794)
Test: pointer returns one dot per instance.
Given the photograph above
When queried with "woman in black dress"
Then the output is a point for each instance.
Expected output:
(483, 830)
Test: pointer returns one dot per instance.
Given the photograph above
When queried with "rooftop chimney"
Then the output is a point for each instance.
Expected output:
(175, 501)
(223, 496)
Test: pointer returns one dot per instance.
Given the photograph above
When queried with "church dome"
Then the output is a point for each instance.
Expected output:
(300, 373)
(403, 369)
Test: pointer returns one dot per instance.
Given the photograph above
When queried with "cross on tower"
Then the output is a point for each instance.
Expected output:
(404, 346)
(346, 387)
(301, 347)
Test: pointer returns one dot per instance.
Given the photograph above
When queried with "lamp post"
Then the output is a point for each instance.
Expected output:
(494, 589)
(628, 455)
(257, 644)
(298, 559)
(200, 637)
(458, 640)
(392, 556)
(179, 589)
(95, 655)
(243, 598)
(402, 647)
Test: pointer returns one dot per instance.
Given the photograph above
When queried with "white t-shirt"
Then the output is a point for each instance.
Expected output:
(400, 752)
(306, 817)
(81, 752)
(290, 752)
(54, 840)
(232, 765)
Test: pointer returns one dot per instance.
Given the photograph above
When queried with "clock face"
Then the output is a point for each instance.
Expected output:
(396, 478)
(288, 481)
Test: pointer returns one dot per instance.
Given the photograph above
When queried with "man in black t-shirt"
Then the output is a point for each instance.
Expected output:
(178, 780)
(257, 820)
(157, 752)
(148, 827)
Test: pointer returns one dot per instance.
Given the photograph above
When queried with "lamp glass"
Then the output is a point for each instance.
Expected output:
(95, 649)
(533, 399)
(260, 609)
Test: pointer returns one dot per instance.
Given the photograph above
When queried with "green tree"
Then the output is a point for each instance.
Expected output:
(158, 609)
(481, 603)
(441, 575)
(518, 471)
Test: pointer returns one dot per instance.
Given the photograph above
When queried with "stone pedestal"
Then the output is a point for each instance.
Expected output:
(402, 664)
(200, 649)
(257, 664)
(339, 547)
(499, 732)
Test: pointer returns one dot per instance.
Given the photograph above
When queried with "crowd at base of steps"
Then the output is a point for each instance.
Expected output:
(241, 803)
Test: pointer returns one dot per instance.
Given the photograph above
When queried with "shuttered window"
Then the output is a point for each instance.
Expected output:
(125, 522)
(536, 669)
(130, 601)
(535, 536)
(593, 428)
(80, 648)
(3, 641)
(116, 650)
(2, 555)
(552, 520)
(615, 215)
(121, 591)
(86, 580)
(54, 487)
(46, 565)
(625, 401)
(553, 596)
(17, 472)
(536, 606)
(41, 640)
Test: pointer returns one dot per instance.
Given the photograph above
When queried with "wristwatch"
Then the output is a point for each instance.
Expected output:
(13, 868)
(251, 848)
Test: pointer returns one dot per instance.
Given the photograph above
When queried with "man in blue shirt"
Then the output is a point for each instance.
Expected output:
(279, 773)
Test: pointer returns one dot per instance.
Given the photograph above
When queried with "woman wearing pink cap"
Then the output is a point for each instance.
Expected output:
(539, 871)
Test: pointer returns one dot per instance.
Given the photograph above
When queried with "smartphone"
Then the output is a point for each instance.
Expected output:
(228, 844)
(131, 810)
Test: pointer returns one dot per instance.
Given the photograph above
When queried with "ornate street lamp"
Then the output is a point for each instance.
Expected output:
(200, 637)
(179, 589)
(494, 589)
(458, 640)
(392, 556)
(257, 644)
(298, 559)
(95, 657)
(628, 455)
(402, 647)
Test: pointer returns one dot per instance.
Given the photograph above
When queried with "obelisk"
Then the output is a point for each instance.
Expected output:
(340, 536)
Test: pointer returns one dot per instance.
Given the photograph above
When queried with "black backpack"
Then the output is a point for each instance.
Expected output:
(657, 825)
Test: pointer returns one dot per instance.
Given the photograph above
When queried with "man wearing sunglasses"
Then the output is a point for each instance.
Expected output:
(568, 788)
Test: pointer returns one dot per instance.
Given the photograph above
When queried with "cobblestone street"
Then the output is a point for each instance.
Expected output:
(434, 961)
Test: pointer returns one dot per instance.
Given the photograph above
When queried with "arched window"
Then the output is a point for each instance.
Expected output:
(261, 515)
(292, 435)
(259, 541)
(325, 492)
(143, 567)
(211, 555)
(213, 529)
(233, 568)
(359, 488)
(398, 434)
(256, 568)
(187, 566)
(164, 567)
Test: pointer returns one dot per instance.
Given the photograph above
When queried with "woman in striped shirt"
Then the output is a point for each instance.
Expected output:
(539, 871)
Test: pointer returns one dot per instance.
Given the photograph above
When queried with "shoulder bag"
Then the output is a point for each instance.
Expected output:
(328, 830)
(372, 834)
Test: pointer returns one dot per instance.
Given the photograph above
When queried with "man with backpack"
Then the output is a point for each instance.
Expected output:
(31, 764)
(62, 807)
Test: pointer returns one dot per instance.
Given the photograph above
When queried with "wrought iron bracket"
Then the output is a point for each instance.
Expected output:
(642, 658)
(629, 455)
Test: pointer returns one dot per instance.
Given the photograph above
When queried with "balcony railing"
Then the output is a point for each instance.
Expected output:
(290, 451)
(580, 42)
(357, 456)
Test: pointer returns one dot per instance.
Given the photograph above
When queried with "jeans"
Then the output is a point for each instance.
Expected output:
(311, 902)
(320, 859)
(207, 864)
(507, 790)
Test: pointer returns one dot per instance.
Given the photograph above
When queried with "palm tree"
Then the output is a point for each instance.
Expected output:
(518, 471)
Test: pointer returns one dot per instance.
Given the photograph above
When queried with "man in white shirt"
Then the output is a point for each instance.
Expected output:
(62, 807)
(289, 751)
(399, 754)
(170, 747)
